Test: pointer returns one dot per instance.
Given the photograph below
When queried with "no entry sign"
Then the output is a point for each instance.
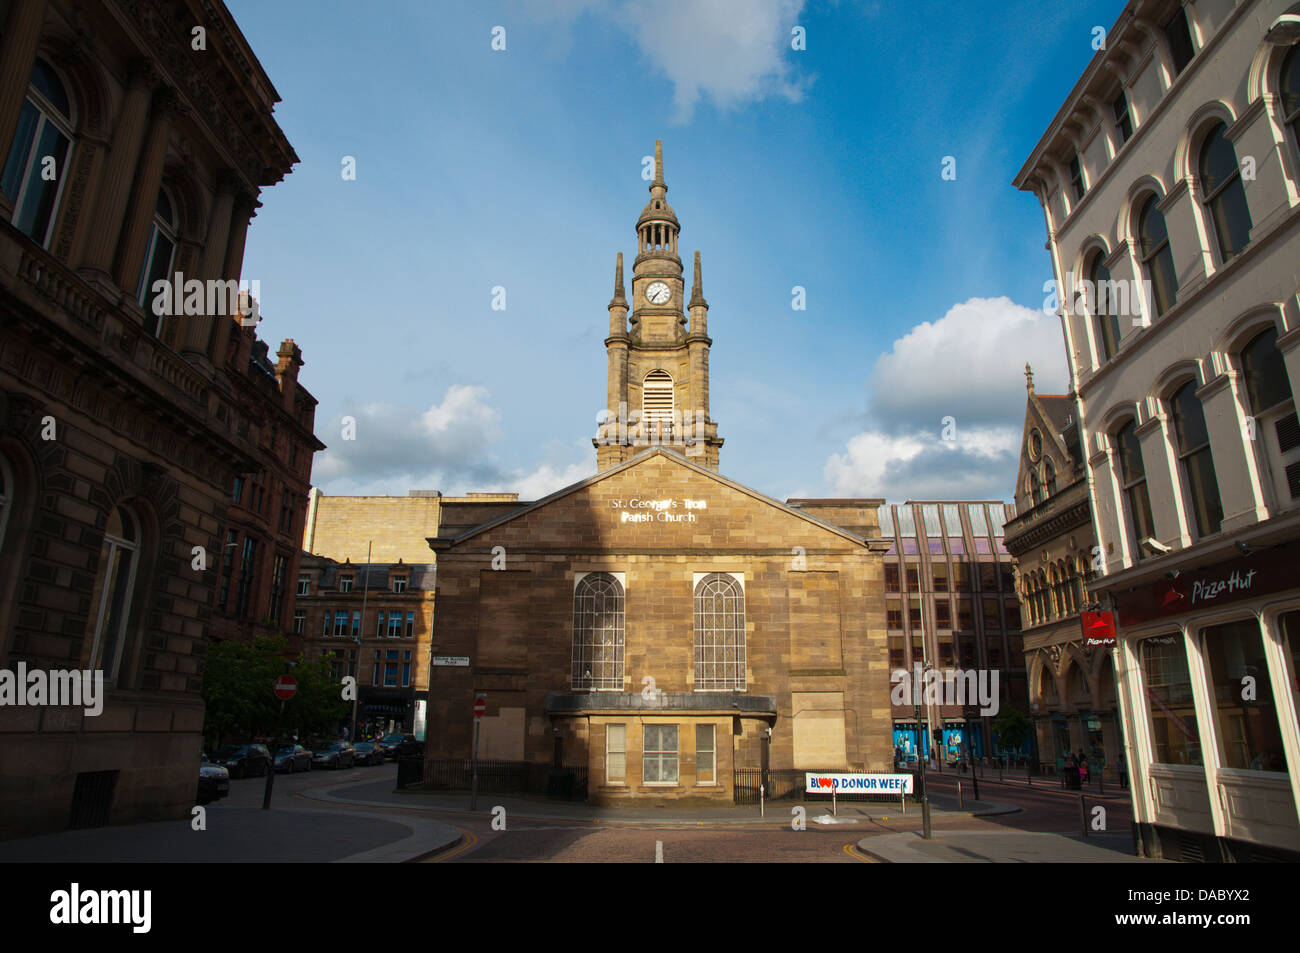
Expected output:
(480, 706)
(285, 687)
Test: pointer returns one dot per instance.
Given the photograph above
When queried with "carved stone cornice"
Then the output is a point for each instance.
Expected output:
(157, 29)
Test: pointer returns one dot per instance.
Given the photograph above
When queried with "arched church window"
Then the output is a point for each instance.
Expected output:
(657, 397)
(598, 633)
(719, 634)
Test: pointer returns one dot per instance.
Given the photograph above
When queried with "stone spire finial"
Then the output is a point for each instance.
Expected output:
(659, 164)
(620, 296)
(697, 288)
(1029, 378)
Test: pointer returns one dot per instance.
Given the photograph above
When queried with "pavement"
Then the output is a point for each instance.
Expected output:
(295, 831)
(1000, 847)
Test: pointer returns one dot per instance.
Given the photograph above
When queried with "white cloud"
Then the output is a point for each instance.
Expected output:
(863, 466)
(731, 53)
(392, 443)
(546, 479)
(969, 366)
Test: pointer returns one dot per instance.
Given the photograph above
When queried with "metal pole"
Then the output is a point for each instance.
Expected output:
(270, 768)
(974, 770)
(834, 810)
(356, 673)
(920, 780)
(473, 785)
(1083, 817)
(762, 800)
(961, 804)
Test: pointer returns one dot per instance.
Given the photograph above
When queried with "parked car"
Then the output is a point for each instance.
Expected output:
(214, 781)
(292, 758)
(243, 761)
(334, 754)
(398, 745)
(368, 753)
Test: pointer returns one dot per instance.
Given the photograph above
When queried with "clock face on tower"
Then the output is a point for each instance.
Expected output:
(658, 293)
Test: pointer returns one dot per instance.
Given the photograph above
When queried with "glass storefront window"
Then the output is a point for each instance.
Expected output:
(1244, 713)
(1289, 624)
(1174, 735)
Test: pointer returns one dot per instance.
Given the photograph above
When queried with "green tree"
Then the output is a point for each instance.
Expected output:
(241, 705)
(1013, 727)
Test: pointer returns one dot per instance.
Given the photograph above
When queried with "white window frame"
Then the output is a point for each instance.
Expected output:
(399, 584)
(345, 583)
(711, 751)
(116, 545)
(660, 755)
(617, 751)
(304, 584)
(738, 682)
(582, 652)
(65, 125)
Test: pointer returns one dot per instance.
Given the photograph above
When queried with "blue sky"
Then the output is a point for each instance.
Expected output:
(521, 168)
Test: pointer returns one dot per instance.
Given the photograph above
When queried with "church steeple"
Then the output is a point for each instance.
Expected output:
(657, 387)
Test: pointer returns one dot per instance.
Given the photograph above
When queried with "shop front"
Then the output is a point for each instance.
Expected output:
(1211, 655)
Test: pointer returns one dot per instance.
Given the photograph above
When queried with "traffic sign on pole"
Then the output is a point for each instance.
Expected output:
(285, 687)
(480, 706)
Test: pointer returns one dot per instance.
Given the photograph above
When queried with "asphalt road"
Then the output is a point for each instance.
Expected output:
(1044, 807)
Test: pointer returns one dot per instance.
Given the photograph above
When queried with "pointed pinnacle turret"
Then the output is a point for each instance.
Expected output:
(620, 297)
(1029, 378)
(697, 288)
(659, 165)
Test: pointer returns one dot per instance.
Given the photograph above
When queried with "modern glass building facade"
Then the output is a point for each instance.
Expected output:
(950, 603)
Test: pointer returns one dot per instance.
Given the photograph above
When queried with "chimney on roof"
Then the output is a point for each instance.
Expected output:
(286, 371)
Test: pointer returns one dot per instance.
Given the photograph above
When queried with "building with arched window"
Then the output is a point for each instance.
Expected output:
(1052, 540)
(1186, 124)
(127, 437)
(658, 629)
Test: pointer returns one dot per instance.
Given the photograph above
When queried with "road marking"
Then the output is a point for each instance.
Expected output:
(469, 841)
(659, 852)
(852, 851)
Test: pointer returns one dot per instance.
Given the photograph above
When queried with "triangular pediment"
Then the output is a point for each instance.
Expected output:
(657, 500)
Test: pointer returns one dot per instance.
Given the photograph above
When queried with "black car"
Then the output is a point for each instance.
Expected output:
(243, 761)
(292, 758)
(398, 745)
(214, 781)
(368, 753)
(334, 754)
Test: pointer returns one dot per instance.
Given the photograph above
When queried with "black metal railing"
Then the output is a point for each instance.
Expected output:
(567, 782)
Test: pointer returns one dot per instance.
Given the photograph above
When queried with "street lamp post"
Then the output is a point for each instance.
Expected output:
(356, 671)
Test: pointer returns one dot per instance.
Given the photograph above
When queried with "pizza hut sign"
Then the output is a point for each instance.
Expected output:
(1210, 586)
(1203, 590)
(1098, 628)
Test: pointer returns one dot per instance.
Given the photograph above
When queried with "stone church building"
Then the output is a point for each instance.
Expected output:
(658, 623)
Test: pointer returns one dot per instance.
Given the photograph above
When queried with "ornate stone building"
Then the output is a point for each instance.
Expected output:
(131, 155)
(1071, 683)
(1170, 183)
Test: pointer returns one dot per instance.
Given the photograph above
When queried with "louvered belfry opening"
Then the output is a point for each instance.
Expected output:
(657, 398)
